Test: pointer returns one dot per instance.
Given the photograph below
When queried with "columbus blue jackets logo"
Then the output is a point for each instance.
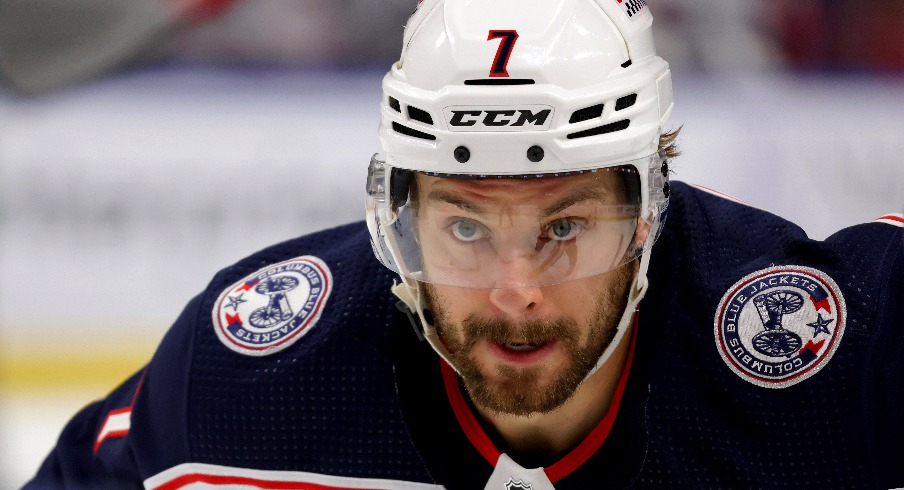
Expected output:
(778, 326)
(274, 307)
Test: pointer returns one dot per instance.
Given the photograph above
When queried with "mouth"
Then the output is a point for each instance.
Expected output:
(522, 353)
(522, 347)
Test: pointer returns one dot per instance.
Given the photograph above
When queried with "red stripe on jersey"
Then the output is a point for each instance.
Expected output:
(571, 461)
(243, 480)
(116, 424)
(721, 194)
(574, 459)
(892, 219)
(119, 421)
(192, 475)
(479, 439)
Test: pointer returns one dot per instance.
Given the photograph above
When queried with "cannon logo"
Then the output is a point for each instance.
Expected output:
(499, 118)
(271, 309)
(779, 326)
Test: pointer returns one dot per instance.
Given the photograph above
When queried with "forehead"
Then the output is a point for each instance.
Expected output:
(601, 184)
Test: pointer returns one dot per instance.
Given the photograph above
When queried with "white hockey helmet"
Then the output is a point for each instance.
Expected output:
(466, 65)
(530, 90)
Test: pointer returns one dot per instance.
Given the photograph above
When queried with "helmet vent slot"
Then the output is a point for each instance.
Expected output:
(398, 128)
(394, 103)
(500, 81)
(586, 113)
(625, 102)
(420, 115)
(609, 128)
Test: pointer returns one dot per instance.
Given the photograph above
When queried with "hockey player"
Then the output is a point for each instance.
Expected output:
(522, 185)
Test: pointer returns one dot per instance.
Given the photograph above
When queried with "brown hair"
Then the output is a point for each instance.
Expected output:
(668, 143)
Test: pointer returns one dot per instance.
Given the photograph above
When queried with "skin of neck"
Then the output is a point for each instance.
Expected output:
(565, 427)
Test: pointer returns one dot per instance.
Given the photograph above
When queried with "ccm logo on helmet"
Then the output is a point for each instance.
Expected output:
(515, 118)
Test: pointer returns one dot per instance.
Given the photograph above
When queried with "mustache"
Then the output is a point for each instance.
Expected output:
(503, 331)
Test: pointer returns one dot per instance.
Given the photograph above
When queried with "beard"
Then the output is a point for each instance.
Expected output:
(519, 390)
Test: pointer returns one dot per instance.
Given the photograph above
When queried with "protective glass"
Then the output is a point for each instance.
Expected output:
(509, 231)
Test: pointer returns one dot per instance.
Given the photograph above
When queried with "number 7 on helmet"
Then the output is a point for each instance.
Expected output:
(503, 53)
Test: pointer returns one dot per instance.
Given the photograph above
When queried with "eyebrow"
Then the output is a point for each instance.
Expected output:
(450, 198)
(586, 193)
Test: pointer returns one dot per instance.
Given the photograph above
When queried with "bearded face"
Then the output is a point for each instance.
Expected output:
(525, 350)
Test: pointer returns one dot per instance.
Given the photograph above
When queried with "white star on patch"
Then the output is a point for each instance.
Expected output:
(235, 301)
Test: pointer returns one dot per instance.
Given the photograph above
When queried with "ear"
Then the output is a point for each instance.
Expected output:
(641, 233)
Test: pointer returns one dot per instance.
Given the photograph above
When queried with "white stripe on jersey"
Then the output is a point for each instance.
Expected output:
(117, 424)
(200, 475)
(892, 219)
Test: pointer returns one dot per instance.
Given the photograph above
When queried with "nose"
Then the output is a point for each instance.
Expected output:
(516, 293)
(517, 302)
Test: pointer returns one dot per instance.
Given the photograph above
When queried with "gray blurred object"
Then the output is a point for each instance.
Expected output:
(300, 32)
(716, 36)
(46, 44)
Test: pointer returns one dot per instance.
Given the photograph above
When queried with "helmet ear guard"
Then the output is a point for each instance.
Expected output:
(377, 192)
(400, 183)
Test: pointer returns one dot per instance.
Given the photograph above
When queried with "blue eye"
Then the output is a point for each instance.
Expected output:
(564, 229)
(466, 230)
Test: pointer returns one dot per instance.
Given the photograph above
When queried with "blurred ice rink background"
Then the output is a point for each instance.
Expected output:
(121, 195)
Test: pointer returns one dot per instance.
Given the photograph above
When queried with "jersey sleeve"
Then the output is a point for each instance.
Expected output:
(136, 430)
(883, 378)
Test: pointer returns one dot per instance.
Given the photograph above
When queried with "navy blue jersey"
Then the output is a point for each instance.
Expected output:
(761, 359)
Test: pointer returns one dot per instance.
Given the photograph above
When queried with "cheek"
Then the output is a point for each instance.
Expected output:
(458, 303)
(450, 307)
(576, 299)
(586, 300)
(577, 304)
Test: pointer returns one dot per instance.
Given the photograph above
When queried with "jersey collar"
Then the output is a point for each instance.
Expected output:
(574, 458)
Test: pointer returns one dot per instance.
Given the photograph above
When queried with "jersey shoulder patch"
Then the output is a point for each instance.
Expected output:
(271, 308)
(781, 325)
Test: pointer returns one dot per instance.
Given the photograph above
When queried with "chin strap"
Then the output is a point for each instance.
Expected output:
(638, 290)
(413, 299)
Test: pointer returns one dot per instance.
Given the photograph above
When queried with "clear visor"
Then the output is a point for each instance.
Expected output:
(508, 231)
